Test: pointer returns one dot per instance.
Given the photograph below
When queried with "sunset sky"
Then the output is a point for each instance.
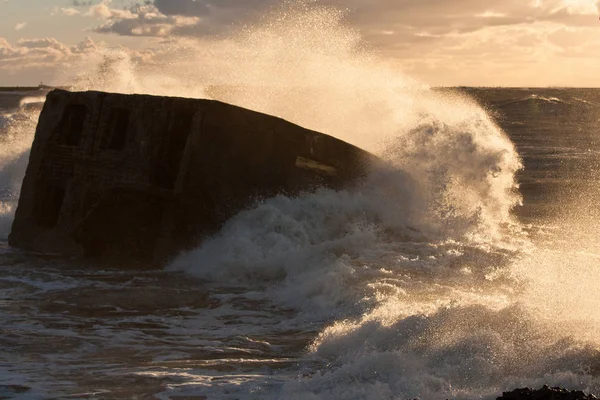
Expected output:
(441, 42)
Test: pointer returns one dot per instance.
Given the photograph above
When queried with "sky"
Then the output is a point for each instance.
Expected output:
(440, 42)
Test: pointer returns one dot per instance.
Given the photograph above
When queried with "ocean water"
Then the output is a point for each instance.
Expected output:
(467, 266)
(382, 292)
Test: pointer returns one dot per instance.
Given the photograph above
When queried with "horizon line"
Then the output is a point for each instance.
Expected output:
(28, 87)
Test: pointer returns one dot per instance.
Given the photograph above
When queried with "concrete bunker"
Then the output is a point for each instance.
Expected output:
(135, 179)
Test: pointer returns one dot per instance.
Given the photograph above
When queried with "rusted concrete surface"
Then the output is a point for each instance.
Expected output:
(138, 178)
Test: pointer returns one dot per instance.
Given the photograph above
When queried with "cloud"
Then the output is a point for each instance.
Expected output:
(85, 46)
(536, 54)
(139, 20)
(20, 25)
(5, 47)
(585, 7)
(104, 11)
(459, 42)
(43, 43)
(456, 36)
(69, 11)
(39, 53)
(490, 14)
(408, 20)
(184, 7)
(30, 60)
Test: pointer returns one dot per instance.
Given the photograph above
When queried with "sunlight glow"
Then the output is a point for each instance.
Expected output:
(572, 6)
(581, 6)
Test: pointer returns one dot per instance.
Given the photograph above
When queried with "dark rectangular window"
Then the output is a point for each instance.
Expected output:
(115, 134)
(171, 153)
(71, 124)
(49, 205)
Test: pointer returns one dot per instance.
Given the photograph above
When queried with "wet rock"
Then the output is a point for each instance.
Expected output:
(545, 393)
(12, 390)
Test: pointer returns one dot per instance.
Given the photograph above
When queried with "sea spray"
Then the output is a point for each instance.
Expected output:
(562, 270)
(450, 174)
(16, 135)
(416, 267)
(303, 63)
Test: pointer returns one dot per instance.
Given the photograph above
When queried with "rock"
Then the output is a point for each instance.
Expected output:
(135, 179)
(545, 393)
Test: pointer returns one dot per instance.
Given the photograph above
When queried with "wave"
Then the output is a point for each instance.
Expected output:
(548, 100)
(16, 135)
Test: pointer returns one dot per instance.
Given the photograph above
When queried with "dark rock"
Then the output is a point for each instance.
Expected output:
(545, 393)
(135, 179)
(12, 389)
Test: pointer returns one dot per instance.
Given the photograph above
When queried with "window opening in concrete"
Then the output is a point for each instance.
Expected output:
(50, 205)
(115, 135)
(169, 160)
(71, 124)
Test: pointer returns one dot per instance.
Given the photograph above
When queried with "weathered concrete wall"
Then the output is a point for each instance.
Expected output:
(137, 178)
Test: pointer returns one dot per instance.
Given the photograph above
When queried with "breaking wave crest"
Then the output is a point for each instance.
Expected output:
(332, 250)
(449, 174)
(16, 135)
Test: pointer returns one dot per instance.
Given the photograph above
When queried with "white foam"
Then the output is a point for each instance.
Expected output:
(31, 100)
(16, 137)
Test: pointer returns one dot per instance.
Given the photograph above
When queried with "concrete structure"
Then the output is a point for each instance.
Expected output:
(134, 179)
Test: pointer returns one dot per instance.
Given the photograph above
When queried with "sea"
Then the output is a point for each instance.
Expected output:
(466, 265)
